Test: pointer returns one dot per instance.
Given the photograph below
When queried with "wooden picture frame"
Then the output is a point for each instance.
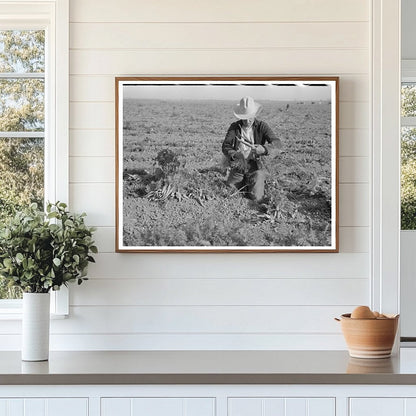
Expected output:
(184, 143)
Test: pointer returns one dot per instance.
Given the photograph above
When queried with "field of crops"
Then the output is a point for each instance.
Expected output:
(174, 191)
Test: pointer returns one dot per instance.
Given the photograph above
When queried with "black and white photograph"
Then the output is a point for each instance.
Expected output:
(227, 164)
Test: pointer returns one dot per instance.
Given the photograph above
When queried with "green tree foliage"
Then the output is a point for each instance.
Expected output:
(21, 174)
(21, 109)
(408, 105)
(408, 161)
(408, 196)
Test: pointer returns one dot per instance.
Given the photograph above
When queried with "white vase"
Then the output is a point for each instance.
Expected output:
(35, 326)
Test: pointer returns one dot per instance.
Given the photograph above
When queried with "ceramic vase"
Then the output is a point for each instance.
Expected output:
(35, 326)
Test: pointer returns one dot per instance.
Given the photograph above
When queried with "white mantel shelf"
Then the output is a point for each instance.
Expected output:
(207, 367)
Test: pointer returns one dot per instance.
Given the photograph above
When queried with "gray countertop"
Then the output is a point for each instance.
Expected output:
(207, 367)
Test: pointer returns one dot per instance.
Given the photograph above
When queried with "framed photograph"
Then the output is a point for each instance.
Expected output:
(227, 164)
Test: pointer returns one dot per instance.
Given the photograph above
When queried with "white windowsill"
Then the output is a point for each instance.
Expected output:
(10, 315)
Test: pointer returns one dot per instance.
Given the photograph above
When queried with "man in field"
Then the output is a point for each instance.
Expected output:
(244, 147)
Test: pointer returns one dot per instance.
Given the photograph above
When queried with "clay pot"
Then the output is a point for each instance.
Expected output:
(369, 338)
(369, 366)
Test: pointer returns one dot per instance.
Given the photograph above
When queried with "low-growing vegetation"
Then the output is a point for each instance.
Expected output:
(174, 191)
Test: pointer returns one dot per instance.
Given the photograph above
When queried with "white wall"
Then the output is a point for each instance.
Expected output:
(215, 301)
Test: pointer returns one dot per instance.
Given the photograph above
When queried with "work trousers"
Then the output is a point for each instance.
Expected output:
(251, 184)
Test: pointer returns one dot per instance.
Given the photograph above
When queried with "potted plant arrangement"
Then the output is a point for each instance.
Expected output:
(40, 252)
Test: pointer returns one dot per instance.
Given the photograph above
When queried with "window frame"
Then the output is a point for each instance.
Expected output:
(408, 75)
(53, 17)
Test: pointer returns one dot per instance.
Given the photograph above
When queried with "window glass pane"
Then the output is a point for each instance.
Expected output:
(21, 110)
(21, 173)
(408, 93)
(21, 182)
(22, 104)
(408, 178)
(22, 51)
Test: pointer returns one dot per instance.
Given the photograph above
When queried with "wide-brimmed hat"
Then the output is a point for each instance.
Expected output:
(247, 108)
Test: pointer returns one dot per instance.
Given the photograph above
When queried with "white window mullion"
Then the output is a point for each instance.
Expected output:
(22, 75)
(22, 134)
(408, 121)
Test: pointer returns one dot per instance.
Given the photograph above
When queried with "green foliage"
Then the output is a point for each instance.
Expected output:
(21, 174)
(408, 179)
(408, 160)
(22, 51)
(408, 196)
(408, 102)
(21, 109)
(40, 252)
(22, 100)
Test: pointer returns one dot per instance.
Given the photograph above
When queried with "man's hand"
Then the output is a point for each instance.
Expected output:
(238, 162)
(259, 149)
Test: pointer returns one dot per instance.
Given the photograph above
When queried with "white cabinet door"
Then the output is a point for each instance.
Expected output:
(270, 406)
(160, 406)
(44, 407)
(382, 406)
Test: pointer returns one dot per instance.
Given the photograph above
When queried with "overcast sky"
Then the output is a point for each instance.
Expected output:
(270, 91)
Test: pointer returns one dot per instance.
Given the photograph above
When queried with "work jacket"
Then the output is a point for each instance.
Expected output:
(262, 134)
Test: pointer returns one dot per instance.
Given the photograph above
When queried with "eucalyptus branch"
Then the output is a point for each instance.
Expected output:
(43, 251)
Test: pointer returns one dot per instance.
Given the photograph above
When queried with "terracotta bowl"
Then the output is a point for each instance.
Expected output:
(369, 366)
(369, 338)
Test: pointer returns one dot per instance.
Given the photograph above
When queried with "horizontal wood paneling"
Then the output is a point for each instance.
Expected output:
(218, 35)
(230, 301)
(220, 291)
(354, 208)
(92, 115)
(218, 11)
(94, 143)
(256, 61)
(352, 239)
(101, 88)
(206, 266)
(354, 170)
(96, 199)
(354, 142)
(146, 342)
(89, 169)
(201, 319)
(354, 115)
(104, 238)
(242, 320)
(92, 88)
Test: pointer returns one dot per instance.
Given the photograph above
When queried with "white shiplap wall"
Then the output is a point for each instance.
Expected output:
(218, 301)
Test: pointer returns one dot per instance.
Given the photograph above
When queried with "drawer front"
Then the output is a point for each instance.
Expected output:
(376, 406)
(158, 406)
(281, 406)
(44, 407)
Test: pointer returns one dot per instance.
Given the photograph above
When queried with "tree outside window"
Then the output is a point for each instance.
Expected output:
(22, 124)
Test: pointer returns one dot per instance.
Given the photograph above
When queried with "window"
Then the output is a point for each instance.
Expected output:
(408, 154)
(22, 124)
(33, 111)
